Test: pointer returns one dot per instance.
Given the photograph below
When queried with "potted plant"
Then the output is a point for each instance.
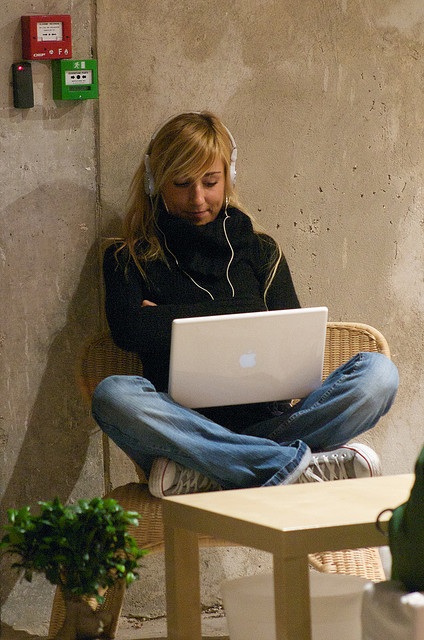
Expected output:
(84, 548)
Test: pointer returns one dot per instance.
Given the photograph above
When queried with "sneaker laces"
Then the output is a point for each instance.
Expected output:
(324, 467)
(191, 481)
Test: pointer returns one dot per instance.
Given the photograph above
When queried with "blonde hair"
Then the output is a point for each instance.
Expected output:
(184, 147)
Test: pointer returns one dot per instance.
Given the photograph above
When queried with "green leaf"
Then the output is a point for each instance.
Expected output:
(78, 546)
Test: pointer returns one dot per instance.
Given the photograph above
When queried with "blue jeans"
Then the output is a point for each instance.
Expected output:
(147, 424)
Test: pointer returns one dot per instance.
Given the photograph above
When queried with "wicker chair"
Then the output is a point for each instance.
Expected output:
(101, 358)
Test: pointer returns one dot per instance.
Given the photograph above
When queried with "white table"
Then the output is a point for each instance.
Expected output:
(288, 521)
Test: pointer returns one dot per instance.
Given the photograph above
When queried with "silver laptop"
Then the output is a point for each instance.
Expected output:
(247, 357)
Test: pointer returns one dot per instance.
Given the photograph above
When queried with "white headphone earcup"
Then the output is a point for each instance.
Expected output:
(233, 170)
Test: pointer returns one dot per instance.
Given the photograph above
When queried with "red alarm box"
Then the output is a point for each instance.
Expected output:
(46, 37)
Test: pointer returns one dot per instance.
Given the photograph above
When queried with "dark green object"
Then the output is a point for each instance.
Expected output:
(82, 547)
(406, 535)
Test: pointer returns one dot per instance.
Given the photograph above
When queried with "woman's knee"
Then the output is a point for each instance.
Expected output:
(381, 377)
(116, 390)
(108, 388)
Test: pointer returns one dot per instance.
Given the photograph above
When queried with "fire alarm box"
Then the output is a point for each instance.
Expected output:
(75, 79)
(46, 37)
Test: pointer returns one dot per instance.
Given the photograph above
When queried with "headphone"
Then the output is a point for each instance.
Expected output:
(149, 182)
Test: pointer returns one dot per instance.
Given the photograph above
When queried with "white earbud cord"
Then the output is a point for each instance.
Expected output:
(231, 249)
(229, 262)
(183, 270)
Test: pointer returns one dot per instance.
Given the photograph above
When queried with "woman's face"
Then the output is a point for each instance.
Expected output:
(197, 202)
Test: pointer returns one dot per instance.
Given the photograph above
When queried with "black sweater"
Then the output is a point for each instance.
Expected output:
(195, 271)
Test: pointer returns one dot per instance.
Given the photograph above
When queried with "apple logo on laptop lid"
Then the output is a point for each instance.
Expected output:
(248, 360)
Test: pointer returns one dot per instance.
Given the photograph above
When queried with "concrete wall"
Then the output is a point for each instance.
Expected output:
(325, 102)
(48, 292)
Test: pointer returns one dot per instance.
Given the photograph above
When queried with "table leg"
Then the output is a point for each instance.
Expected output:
(292, 598)
(182, 584)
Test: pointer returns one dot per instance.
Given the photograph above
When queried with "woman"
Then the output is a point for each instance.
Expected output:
(188, 249)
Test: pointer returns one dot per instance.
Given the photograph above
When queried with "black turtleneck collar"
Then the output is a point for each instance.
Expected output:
(206, 249)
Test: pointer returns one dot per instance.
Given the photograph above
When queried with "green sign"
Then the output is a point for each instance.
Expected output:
(75, 79)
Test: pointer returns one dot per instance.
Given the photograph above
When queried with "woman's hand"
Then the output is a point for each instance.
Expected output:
(147, 303)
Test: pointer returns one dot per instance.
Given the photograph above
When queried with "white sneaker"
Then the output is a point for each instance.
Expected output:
(168, 478)
(349, 461)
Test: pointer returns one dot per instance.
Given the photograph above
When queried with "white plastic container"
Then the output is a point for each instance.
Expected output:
(335, 607)
(391, 613)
